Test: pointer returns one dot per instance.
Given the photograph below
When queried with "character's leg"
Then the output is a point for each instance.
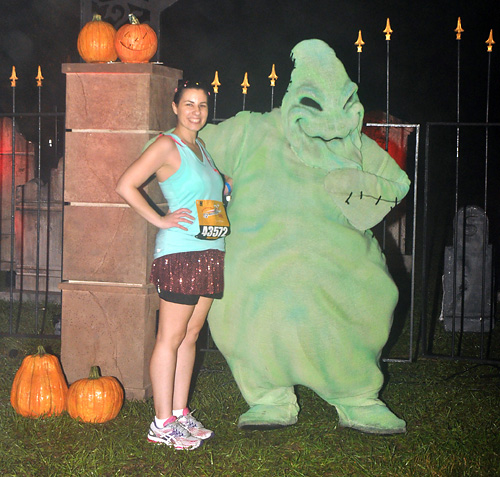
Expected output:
(368, 414)
(354, 391)
(278, 408)
(374, 418)
(271, 407)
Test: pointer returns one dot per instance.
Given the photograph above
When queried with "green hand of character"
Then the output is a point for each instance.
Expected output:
(365, 196)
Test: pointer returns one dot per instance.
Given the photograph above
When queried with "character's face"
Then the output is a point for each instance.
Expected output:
(321, 105)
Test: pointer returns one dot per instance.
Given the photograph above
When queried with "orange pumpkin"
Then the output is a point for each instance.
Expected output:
(96, 41)
(39, 388)
(96, 398)
(135, 42)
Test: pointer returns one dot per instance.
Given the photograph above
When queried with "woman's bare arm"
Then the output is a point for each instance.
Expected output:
(161, 158)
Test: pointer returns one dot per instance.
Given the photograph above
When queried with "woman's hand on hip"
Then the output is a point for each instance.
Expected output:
(174, 219)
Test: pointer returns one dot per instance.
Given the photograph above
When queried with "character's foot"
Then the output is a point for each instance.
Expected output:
(374, 418)
(262, 417)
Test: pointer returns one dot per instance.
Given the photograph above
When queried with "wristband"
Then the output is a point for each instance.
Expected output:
(228, 188)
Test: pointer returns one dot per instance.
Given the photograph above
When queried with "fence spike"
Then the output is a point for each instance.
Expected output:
(13, 77)
(359, 43)
(245, 83)
(273, 76)
(39, 77)
(388, 30)
(459, 30)
(490, 42)
(215, 83)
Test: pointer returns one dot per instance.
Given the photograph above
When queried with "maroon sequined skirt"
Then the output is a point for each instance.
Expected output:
(190, 273)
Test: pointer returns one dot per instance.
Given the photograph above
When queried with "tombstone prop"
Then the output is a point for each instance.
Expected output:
(468, 298)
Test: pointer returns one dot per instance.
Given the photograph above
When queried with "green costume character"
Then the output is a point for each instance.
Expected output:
(308, 299)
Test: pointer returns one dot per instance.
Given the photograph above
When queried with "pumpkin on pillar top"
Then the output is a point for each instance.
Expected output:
(135, 42)
(96, 41)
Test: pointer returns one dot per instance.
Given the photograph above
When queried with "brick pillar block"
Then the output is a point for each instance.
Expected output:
(108, 306)
(112, 327)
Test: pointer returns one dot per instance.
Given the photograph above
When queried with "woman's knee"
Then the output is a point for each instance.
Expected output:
(171, 339)
(192, 334)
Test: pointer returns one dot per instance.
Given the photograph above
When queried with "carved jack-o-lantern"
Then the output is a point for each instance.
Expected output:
(135, 42)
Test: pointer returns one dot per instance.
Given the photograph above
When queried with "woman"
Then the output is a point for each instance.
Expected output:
(189, 258)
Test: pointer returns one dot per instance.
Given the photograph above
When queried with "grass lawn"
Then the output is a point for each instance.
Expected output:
(452, 410)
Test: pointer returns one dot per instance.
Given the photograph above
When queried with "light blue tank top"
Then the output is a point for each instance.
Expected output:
(194, 180)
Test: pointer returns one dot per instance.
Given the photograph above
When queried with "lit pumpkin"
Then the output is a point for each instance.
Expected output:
(96, 398)
(39, 388)
(96, 41)
(135, 42)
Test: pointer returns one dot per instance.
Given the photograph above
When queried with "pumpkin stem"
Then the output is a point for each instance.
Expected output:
(96, 17)
(133, 19)
(94, 372)
(41, 351)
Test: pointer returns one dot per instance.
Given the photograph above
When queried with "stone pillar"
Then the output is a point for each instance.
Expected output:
(108, 306)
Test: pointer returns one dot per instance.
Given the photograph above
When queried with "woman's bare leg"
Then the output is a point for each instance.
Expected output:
(186, 353)
(172, 329)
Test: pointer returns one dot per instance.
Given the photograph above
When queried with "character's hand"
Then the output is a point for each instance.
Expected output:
(173, 219)
(365, 198)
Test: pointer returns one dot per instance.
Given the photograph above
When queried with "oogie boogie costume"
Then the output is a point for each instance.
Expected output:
(308, 297)
(197, 186)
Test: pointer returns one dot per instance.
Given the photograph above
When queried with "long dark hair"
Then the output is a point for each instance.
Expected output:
(188, 84)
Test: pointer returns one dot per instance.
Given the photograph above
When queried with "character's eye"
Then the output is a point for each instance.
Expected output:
(351, 96)
(349, 102)
(309, 102)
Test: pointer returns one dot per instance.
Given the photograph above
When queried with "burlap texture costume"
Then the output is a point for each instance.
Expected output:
(308, 297)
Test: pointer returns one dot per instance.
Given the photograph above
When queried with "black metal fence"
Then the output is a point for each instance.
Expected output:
(28, 207)
(459, 212)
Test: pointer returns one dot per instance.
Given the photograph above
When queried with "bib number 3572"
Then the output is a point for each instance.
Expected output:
(213, 220)
(213, 232)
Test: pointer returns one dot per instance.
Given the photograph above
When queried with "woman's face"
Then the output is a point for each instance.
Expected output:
(192, 110)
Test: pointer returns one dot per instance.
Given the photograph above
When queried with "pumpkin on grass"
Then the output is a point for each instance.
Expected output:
(96, 41)
(39, 388)
(96, 398)
(135, 42)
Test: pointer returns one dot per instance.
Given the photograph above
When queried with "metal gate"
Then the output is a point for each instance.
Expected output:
(458, 264)
(31, 219)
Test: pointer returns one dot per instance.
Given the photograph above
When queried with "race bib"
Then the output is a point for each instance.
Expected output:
(212, 219)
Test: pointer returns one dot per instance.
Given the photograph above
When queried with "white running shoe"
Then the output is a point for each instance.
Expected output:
(195, 428)
(173, 435)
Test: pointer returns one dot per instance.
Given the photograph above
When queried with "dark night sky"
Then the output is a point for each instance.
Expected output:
(235, 36)
(201, 36)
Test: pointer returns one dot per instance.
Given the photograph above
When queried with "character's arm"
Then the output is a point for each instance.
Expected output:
(226, 141)
(366, 196)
